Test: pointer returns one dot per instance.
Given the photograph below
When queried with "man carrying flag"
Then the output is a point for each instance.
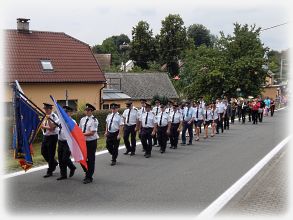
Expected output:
(50, 138)
(74, 138)
(64, 151)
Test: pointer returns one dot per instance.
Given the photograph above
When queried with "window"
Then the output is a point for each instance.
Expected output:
(47, 65)
(106, 106)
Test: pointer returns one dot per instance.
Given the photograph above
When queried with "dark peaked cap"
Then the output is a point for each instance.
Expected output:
(47, 105)
(67, 108)
(89, 106)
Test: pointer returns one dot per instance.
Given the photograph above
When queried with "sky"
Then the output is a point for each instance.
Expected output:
(92, 21)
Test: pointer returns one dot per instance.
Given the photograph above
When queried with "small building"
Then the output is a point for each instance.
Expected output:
(139, 86)
(51, 63)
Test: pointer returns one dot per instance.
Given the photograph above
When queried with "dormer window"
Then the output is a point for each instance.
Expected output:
(47, 65)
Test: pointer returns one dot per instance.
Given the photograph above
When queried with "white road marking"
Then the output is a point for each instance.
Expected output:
(223, 199)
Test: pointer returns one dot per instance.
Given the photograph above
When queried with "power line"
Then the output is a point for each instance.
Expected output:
(274, 26)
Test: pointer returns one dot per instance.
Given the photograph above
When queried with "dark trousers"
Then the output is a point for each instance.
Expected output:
(48, 151)
(239, 113)
(64, 157)
(130, 130)
(174, 134)
(146, 139)
(243, 114)
(254, 116)
(112, 144)
(188, 127)
(272, 110)
(249, 114)
(162, 137)
(220, 122)
(155, 140)
(233, 116)
(91, 147)
(260, 116)
(226, 122)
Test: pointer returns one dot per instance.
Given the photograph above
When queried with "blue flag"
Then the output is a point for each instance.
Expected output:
(27, 122)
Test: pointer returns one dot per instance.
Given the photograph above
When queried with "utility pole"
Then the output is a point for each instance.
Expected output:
(66, 97)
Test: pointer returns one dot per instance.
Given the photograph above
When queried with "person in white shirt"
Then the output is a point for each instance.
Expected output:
(130, 116)
(188, 118)
(163, 128)
(114, 127)
(89, 126)
(198, 120)
(64, 150)
(208, 118)
(50, 138)
(215, 119)
(221, 111)
(175, 119)
(141, 110)
(156, 110)
(169, 107)
(148, 129)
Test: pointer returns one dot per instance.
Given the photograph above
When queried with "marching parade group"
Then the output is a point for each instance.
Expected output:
(155, 125)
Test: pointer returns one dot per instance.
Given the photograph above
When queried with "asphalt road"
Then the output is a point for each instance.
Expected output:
(181, 181)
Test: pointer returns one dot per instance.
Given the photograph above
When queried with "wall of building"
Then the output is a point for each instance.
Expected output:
(119, 102)
(40, 92)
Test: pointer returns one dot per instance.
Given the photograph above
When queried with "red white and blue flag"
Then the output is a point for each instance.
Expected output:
(74, 136)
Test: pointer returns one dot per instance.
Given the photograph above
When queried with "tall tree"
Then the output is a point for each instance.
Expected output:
(173, 41)
(199, 34)
(142, 45)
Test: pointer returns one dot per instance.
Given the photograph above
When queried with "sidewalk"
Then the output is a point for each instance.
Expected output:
(266, 194)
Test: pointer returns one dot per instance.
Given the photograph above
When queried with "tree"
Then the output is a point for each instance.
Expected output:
(142, 45)
(172, 41)
(200, 35)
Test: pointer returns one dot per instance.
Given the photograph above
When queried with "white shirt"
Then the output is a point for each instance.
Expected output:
(221, 107)
(156, 110)
(162, 117)
(176, 117)
(215, 114)
(140, 111)
(61, 135)
(116, 120)
(47, 132)
(91, 125)
(151, 120)
(169, 110)
(188, 113)
(208, 114)
(198, 113)
(133, 116)
(202, 104)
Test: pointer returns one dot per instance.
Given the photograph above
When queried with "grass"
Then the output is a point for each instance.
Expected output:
(12, 165)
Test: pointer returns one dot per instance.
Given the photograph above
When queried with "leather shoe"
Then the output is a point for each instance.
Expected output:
(147, 156)
(126, 152)
(72, 172)
(132, 153)
(162, 151)
(87, 180)
(62, 178)
(189, 144)
(113, 163)
(48, 175)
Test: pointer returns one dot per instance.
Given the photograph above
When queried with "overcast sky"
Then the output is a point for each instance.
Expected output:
(93, 21)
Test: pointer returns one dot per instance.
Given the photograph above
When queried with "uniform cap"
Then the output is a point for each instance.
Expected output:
(143, 100)
(148, 105)
(114, 106)
(67, 108)
(89, 107)
(47, 106)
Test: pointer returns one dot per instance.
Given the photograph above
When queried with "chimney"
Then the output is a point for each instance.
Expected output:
(23, 25)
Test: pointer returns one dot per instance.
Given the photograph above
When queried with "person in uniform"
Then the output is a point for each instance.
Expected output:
(64, 151)
(130, 116)
(272, 108)
(147, 129)
(188, 119)
(156, 110)
(199, 118)
(254, 108)
(233, 109)
(89, 126)
(175, 119)
(140, 112)
(228, 114)
(215, 115)
(114, 128)
(163, 128)
(208, 118)
(221, 111)
(243, 110)
(50, 138)
(169, 107)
